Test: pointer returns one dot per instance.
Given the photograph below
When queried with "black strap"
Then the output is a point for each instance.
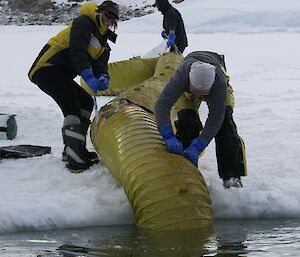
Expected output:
(3, 129)
(123, 100)
(98, 20)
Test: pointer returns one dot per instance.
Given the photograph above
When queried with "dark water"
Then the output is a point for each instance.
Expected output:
(271, 237)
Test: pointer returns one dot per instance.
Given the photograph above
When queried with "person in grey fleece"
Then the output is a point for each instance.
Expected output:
(202, 75)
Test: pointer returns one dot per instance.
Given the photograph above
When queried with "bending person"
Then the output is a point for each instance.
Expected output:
(202, 75)
(80, 49)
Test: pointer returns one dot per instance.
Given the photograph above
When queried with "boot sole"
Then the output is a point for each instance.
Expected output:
(81, 169)
(76, 171)
(95, 160)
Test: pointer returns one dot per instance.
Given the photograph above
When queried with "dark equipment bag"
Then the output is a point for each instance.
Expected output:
(23, 151)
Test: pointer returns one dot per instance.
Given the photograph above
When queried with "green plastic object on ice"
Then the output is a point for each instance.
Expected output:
(8, 126)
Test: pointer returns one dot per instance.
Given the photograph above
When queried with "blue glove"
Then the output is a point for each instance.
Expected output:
(193, 151)
(90, 79)
(164, 35)
(173, 144)
(171, 40)
(104, 80)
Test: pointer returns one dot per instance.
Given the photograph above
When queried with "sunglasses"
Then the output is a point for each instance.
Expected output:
(110, 16)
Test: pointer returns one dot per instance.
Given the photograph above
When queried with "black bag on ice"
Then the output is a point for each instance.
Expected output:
(23, 151)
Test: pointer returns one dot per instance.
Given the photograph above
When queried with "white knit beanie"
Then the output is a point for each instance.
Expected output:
(202, 75)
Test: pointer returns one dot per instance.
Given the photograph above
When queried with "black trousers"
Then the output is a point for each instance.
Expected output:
(70, 97)
(230, 151)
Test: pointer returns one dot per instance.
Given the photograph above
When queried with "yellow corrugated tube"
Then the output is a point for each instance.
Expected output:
(166, 191)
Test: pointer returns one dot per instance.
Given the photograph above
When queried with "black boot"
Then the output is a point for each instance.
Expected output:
(76, 153)
(92, 156)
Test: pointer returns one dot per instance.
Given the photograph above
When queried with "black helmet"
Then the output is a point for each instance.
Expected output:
(111, 11)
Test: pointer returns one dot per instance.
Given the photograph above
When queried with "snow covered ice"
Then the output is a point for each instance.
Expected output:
(260, 41)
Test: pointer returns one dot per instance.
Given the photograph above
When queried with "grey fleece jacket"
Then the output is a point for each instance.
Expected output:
(179, 84)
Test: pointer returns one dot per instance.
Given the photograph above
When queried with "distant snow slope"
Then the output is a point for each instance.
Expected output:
(210, 16)
(133, 3)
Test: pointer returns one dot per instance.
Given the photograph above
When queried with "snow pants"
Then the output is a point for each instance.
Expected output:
(70, 97)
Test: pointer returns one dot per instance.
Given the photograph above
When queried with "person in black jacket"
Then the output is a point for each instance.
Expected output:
(80, 49)
(173, 25)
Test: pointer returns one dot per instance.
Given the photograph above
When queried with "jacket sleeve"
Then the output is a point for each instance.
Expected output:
(80, 35)
(216, 106)
(173, 18)
(100, 65)
(178, 84)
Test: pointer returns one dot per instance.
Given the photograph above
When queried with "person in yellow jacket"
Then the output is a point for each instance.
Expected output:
(79, 49)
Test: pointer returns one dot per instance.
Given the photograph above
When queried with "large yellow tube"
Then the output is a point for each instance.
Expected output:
(166, 191)
(126, 74)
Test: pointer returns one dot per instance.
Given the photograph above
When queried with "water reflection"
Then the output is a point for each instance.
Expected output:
(225, 240)
(146, 244)
(230, 239)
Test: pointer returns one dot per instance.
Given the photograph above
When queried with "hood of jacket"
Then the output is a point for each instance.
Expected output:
(163, 6)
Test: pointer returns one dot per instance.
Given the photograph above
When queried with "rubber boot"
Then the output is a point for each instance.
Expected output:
(92, 156)
(74, 139)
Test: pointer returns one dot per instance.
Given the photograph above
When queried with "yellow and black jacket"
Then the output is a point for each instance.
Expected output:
(83, 44)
